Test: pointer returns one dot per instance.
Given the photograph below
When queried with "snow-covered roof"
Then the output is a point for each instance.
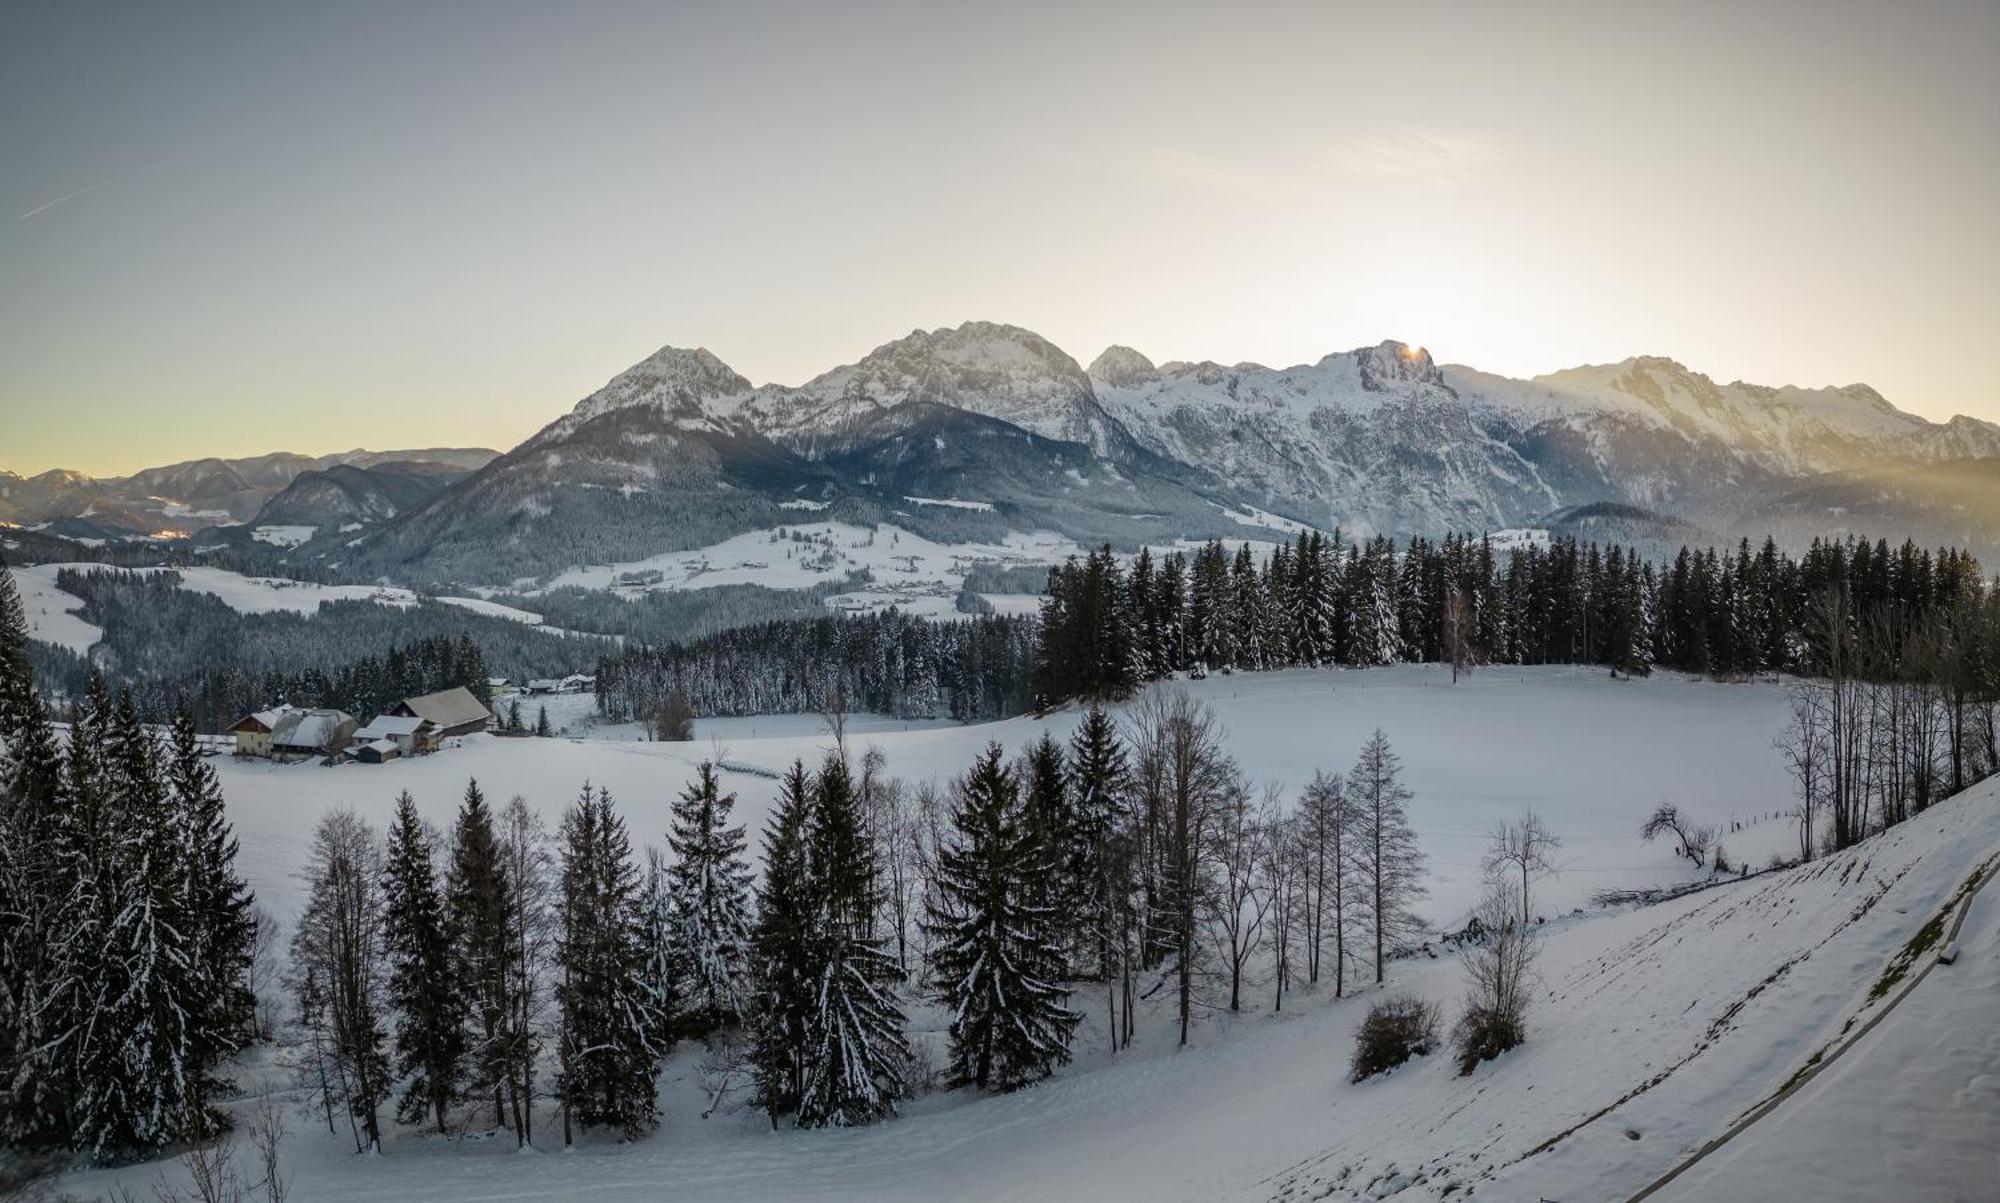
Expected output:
(309, 728)
(449, 708)
(390, 726)
(381, 747)
(264, 720)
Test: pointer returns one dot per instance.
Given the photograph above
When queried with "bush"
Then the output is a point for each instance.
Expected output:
(1395, 1030)
(1483, 1033)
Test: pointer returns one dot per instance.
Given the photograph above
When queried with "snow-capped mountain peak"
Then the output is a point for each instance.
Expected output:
(1392, 366)
(683, 384)
(1122, 367)
(988, 368)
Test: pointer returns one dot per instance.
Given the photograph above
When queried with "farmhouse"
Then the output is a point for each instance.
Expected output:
(452, 711)
(407, 735)
(285, 731)
(253, 731)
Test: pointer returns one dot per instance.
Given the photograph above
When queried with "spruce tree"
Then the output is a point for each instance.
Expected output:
(476, 903)
(710, 889)
(221, 932)
(1048, 818)
(429, 1002)
(612, 1031)
(1100, 857)
(996, 963)
(664, 970)
(782, 948)
(855, 1050)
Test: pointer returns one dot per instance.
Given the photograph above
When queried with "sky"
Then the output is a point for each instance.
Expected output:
(228, 229)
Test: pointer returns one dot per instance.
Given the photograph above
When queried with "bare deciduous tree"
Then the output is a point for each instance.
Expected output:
(1526, 847)
(1690, 840)
(1242, 903)
(1183, 777)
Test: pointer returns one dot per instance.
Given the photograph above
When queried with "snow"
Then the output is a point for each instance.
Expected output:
(284, 536)
(52, 613)
(1521, 539)
(1482, 750)
(1922, 1086)
(1014, 603)
(479, 605)
(1716, 997)
(1250, 515)
(906, 570)
(952, 503)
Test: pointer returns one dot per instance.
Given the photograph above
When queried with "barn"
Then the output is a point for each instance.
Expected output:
(452, 711)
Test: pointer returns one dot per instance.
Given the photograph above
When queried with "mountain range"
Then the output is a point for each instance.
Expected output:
(184, 497)
(976, 430)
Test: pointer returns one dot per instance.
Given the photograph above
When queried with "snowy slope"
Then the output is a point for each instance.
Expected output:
(1650, 1029)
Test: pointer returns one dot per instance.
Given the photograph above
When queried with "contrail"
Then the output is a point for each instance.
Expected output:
(70, 196)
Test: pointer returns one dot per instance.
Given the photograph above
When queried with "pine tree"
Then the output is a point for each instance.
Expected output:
(221, 933)
(136, 1086)
(1100, 860)
(855, 1050)
(1048, 818)
(710, 889)
(428, 1000)
(542, 722)
(476, 899)
(1386, 852)
(996, 961)
(31, 787)
(781, 951)
(612, 1032)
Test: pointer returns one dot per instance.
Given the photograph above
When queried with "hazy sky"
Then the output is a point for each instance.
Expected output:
(230, 229)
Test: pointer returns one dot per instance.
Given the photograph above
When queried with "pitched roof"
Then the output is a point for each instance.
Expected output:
(449, 708)
(263, 720)
(385, 726)
(308, 728)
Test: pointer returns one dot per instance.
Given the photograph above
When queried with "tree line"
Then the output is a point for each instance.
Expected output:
(888, 663)
(126, 934)
(365, 687)
(1106, 629)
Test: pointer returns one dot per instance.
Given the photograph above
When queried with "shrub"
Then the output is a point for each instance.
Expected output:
(1483, 1033)
(1498, 971)
(1395, 1030)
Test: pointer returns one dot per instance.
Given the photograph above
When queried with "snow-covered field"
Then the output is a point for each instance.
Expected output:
(51, 612)
(908, 570)
(1652, 1029)
(1591, 754)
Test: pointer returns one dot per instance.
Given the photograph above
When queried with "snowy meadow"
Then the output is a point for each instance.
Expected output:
(1589, 753)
